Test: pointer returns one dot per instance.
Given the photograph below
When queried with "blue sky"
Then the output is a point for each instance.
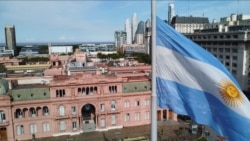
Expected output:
(96, 20)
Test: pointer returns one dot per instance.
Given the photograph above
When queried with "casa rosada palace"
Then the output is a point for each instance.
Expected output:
(75, 95)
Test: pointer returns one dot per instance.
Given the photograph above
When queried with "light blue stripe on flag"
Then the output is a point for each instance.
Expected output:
(192, 82)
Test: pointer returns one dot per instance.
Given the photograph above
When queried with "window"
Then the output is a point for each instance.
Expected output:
(62, 125)
(137, 116)
(19, 113)
(147, 115)
(137, 103)
(102, 123)
(46, 127)
(102, 106)
(112, 89)
(74, 126)
(2, 116)
(60, 93)
(33, 128)
(234, 57)
(32, 112)
(113, 120)
(235, 50)
(147, 102)
(234, 64)
(113, 105)
(73, 110)
(45, 111)
(19, 130)
(126, 104)
(61, 110)
(127, 117)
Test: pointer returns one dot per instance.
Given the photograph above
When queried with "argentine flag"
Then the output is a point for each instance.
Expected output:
(192, 82)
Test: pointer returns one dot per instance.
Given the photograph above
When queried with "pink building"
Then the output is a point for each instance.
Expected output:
(76, 103)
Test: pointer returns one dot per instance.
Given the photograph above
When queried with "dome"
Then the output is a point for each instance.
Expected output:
(3, 86)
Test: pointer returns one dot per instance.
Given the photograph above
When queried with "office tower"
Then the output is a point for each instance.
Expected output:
(139, 34)
(147, 35)
(10, 37)
(128, 31)
(134, 26)
(120, 38)
(170, 12)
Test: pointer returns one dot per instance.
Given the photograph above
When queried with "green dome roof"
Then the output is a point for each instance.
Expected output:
(4, 87)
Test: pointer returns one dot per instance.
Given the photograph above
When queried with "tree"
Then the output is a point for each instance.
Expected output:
(43, 49)
(142, 57)
(2, 68)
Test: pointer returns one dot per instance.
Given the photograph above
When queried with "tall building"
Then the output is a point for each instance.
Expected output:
(171, 12)
(10, 37)
(120, 38)
(128, 31)
(139, 34)
(134, 26)
(229, 41)
(147, 35)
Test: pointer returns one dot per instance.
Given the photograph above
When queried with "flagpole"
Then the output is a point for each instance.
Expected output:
(153, 95)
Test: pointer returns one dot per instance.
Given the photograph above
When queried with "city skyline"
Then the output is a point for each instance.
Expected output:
(86, 21)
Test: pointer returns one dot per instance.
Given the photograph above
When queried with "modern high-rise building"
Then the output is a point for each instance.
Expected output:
(147, 36)
(128, 31)
(10, 37)
(139, 34)
(170, 12)
(134, 26)
(120, 38)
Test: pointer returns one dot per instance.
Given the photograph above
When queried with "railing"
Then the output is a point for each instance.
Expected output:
(61, 116)
(4, 123)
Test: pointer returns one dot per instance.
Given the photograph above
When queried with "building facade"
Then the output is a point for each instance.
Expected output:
(229, 41)
(83, 101)
(188, 24)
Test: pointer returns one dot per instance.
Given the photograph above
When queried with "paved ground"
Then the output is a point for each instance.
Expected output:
(167, 131)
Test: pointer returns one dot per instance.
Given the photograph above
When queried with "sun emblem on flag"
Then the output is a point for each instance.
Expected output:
(230, 93)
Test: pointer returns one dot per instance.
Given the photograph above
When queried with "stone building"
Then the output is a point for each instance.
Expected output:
(76, 103)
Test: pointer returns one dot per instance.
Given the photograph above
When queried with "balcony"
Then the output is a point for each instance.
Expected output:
(113, 111)
(4, 123)
(61, 116)
(73, 114)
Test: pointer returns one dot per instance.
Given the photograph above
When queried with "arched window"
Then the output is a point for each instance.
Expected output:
(32, 112)
(87, 91)
(61, 110)
(83, 91)
(19, 113)
(91, 91)
(45, 111)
